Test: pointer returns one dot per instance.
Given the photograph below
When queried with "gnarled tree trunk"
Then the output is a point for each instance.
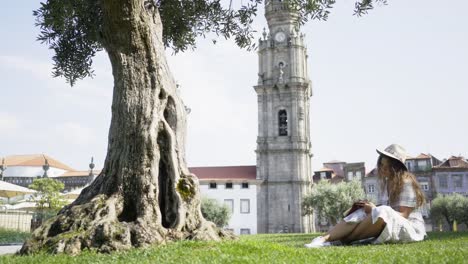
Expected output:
(145, 193)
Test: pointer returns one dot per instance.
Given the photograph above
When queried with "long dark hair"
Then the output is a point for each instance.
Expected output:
(395, 181)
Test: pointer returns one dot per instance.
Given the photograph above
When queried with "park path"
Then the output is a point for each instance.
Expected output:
(9, 249)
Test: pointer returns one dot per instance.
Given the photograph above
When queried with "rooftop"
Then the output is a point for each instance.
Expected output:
(225, 173)
(453, 162)
(35, 160)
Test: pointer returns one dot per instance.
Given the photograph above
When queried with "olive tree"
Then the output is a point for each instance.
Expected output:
(331, 200)
(145, 193)
(450, 208)
(215, 212)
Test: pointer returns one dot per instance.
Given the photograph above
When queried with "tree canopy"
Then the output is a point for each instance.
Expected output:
(73, 29)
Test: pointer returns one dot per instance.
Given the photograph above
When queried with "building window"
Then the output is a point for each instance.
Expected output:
(323, 175)
(457, 180)
(212, 185)
(425, 186)
(228, 185)
(370, 188)
(245, 185)
(443, 181)
(230, 204)
(350, 175)
(422, 164)
(408, 165)
(245, 231)
(283, 123)
(245, 206)
(358, 175)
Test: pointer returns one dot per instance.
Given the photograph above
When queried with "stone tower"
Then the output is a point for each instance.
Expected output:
(283, 142)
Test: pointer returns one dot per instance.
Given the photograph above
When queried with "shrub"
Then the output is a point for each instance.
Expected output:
(215, 212)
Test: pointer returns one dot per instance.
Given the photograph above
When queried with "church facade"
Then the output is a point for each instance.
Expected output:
(283, 141)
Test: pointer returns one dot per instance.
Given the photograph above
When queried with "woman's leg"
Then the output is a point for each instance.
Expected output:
(366, 229)
(340, 231)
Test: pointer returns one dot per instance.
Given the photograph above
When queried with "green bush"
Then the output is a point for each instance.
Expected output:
(215, 212)
(450, 208)
(8, 236)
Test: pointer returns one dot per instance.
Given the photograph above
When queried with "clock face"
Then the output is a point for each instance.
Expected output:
(280, 37)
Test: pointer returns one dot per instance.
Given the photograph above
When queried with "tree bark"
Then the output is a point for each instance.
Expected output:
(145, 193)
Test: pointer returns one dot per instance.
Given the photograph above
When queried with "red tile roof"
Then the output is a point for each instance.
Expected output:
(225, 173)
(453, 162)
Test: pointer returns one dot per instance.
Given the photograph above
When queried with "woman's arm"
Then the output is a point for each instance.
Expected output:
(405, 211)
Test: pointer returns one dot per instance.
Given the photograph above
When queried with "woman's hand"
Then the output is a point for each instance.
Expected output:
(367, 206)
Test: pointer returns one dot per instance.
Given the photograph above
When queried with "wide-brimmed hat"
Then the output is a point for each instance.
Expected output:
(395, 151)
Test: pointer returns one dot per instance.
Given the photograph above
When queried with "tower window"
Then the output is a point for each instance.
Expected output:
(283, 123)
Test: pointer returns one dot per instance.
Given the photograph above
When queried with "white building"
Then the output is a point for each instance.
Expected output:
(235, 186)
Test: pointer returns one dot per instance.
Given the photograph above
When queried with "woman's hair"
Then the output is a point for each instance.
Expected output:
(395, 181)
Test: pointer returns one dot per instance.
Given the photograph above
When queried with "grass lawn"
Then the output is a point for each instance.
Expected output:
(278, 248)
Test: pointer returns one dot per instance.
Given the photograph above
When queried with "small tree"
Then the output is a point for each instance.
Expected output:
(331, 200)
(464, 209)
(47, 197)
(438, 210)
(215, 212)
(451, 208)
(455, 209)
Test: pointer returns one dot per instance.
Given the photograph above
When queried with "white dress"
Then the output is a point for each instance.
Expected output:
(397, 228)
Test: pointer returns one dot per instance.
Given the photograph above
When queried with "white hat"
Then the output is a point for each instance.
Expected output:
(395, 151)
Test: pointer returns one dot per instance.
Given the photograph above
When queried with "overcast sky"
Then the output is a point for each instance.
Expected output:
(397, 75)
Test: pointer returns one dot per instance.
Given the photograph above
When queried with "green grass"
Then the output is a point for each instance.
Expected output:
(281, 248)
(8, 236)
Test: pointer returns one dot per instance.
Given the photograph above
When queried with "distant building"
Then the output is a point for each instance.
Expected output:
(422, 167)
(323, 174)
(354, 171)
(23, 169)
(451, 176)
(338, 171)
(372, 186)
(236, 187)
(337, 167)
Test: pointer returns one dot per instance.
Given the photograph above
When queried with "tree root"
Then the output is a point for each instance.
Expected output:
(95, 225)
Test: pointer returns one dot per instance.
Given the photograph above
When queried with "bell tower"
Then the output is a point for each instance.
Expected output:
(283, 141)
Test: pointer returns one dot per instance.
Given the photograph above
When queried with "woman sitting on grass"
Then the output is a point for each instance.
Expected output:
(401, 221)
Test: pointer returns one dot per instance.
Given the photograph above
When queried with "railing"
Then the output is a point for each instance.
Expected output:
(23, 220)
(19, 220)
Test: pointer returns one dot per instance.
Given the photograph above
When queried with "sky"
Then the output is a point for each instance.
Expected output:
(396, 75)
